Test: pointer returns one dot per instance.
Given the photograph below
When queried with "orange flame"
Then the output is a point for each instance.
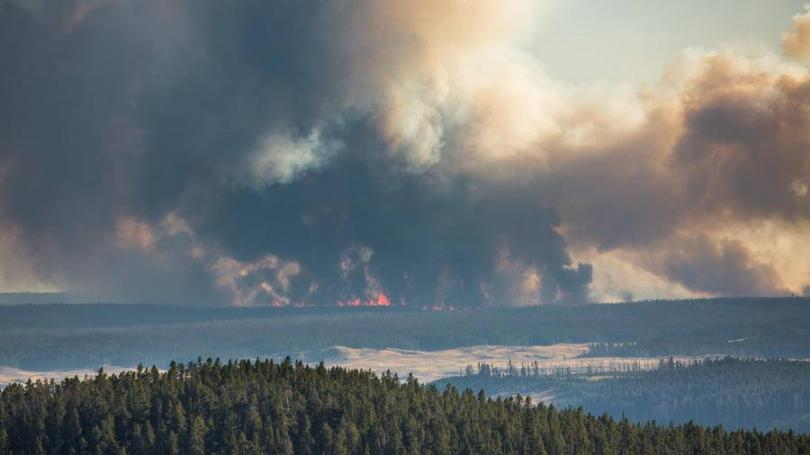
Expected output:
(382, 300)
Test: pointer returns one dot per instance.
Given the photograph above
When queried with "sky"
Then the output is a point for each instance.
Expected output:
(634, 41)
(426, 153)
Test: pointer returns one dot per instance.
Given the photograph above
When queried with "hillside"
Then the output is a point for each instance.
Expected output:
(246, 407)
(735, 393)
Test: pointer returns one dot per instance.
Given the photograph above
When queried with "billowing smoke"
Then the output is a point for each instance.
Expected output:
(364, 152)
(709, 190)
(797, 41)
(264, 153)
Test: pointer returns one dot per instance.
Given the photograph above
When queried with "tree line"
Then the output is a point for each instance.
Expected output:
(245, 407)
(733, 392)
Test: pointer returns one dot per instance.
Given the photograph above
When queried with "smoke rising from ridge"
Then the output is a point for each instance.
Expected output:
(315, 152)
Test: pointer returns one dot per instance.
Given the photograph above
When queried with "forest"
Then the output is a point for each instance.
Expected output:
(735, 393)
(289, 407)
(48, 337)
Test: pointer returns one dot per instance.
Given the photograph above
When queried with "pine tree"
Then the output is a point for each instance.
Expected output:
(196, 436)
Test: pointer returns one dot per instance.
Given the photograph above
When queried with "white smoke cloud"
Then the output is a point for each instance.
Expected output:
(282, 156)
(266, 280)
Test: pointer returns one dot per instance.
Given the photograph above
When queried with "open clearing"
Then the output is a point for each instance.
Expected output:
(429, 366)
(426, 366)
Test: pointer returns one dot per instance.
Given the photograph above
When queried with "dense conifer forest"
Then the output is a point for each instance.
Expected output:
(735, 393)
(266, 407)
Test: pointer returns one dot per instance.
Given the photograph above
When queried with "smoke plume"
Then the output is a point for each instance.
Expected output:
(383, 153)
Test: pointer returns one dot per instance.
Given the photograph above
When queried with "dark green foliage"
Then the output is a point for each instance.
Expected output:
(71, 336)
(264, 407)
(735, 393)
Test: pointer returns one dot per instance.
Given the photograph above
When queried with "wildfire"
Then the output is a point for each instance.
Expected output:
(381, 300)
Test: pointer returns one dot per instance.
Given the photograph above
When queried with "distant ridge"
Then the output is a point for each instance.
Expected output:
(39, 298)
(62, 336)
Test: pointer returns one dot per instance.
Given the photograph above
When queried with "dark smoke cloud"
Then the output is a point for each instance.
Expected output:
(203, 151)
(723, 269)
(316, 152)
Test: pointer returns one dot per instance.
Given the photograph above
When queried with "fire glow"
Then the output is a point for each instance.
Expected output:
(381, 300)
